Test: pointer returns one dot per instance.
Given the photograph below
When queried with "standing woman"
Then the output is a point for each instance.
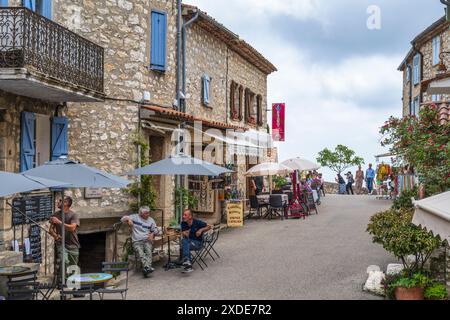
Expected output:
(359, 180)
(342, 184)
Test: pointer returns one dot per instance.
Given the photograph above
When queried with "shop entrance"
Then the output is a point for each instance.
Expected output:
(92, 252)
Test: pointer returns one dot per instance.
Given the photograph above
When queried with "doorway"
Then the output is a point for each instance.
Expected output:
(92, 252)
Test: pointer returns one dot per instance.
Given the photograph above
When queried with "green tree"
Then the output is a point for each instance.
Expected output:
(424, 143)
(340, 159)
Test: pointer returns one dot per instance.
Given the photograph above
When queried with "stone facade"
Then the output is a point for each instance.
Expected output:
(102, 134)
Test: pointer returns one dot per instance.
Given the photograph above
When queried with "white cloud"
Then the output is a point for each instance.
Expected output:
(339, 102)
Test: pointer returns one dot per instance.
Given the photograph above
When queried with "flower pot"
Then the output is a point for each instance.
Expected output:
(409, 294)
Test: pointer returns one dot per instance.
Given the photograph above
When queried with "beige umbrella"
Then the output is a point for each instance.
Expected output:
(268, 169)
(301, 164)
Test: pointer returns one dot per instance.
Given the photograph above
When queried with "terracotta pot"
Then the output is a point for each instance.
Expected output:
(409, 294)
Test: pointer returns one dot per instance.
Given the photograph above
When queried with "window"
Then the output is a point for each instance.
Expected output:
(416, 107)
(260, 113)
(408, 74)
(158, 41)
(42, 139)
(417, 69)
(43, 7)
(436, 50)
(436, 97)
(206, 80)
(234, 101)
(250, 107)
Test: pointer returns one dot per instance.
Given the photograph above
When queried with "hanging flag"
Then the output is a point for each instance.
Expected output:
(278, 121)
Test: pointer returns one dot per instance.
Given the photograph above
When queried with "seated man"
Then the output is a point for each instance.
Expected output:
(144, 232)
(192, 231)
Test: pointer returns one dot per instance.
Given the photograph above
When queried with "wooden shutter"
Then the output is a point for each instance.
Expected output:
(30, 4)
(3, 3)
(27, 148)
(60, 131)
(241, 102)
(158, 41)
(46, 8)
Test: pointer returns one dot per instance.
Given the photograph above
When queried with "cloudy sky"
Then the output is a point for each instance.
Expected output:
(338, 78)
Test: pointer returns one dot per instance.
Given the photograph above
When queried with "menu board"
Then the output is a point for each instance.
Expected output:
(235, 214)
(39, 208)
(35, 244)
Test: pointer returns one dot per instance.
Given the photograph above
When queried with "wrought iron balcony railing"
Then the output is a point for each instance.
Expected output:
(29, 40)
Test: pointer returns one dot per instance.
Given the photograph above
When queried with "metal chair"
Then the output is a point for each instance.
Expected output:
(114, 267)
(22, 286)
(277, 205)
(78, 293)
(210, 241)
(254, 205)
(198, 254)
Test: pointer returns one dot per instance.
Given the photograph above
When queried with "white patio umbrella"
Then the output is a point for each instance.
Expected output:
(301, 164)
(77, 175)
(268, 169)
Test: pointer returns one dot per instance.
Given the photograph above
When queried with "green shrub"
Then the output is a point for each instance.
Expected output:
(394, 230)
(389, 289)
(417, 280)
(404, 201)
(279, 182)
(436, 292)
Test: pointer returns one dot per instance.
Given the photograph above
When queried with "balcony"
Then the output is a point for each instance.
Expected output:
(41, 59)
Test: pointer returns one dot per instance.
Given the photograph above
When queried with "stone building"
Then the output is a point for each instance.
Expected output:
(425, 72)
(422, 68)
(129, 79)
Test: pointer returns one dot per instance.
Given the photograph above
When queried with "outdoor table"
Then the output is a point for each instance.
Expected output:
(170, 235)
(13, 271)
(90, 280)
(265, 199)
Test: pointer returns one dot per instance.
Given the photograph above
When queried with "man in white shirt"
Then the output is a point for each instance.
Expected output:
(144, 231)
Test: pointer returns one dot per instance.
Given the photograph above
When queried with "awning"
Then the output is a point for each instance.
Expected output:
(439, 87)
(434, 214)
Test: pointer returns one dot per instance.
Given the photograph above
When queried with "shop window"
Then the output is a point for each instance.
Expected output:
(43, 7)
(158, 41)
(42, 139)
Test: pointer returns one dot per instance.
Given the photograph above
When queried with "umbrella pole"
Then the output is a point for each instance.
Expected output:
(63, 245)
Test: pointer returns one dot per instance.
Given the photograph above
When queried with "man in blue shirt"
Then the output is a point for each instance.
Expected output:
(370, 176)
(192, 231)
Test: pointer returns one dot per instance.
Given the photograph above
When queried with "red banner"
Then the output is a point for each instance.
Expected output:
(278, 121)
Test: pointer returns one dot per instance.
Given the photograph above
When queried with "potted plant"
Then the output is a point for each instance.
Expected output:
(411, 287)
(436, 291)
(279, 182)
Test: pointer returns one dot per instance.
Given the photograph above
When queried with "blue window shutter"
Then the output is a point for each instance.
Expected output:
(27, 149)
(158, 41)
(30, 4)
(60, 146)
(3, 3)
(46, 8)
(417, 68)
(436, 49)
(206, 88)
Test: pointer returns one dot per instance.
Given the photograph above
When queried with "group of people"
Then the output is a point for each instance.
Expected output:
(144, 231)
(346, 187)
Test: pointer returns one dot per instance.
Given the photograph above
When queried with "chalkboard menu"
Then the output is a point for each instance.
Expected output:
(39, 208)
(35, 244)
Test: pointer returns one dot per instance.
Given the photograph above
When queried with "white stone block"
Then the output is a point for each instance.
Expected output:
(394, 269)
(374, 283)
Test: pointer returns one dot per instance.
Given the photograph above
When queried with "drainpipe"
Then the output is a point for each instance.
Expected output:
(179, 26)
(185, 26)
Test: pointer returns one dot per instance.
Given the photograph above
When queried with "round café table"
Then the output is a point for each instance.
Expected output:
(89, 280)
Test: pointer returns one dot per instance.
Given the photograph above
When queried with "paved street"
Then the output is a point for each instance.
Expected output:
(323, 257)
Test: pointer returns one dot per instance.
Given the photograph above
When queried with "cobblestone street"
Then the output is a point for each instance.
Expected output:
(322, 257)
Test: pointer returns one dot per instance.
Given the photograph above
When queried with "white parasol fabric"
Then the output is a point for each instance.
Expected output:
(268, 169)
(301, 164)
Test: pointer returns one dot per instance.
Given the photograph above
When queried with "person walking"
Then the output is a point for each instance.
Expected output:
(342, 186)
(359, 180)
(350, 181)
(370, 176)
